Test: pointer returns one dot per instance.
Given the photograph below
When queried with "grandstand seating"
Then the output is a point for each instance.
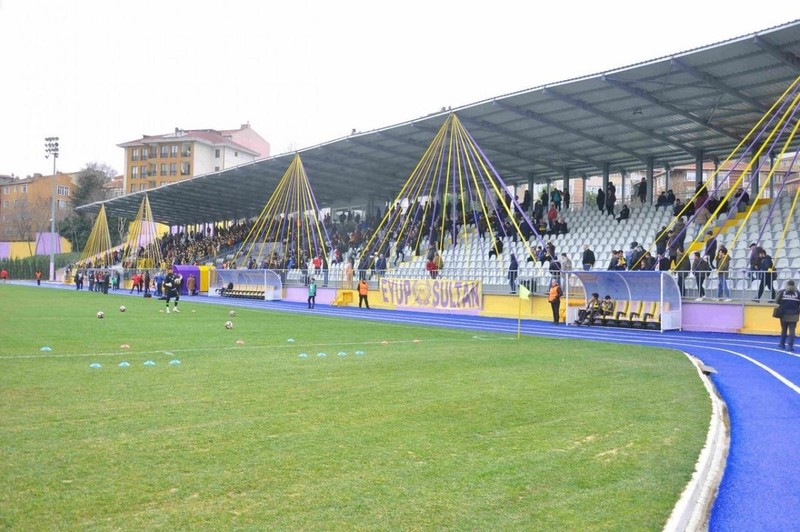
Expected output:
(469, 259)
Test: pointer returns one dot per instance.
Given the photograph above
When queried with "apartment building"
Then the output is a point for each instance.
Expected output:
(156, 160)
(25, 204)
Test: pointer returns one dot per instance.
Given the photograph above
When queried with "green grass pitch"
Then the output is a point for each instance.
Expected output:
(430, 428)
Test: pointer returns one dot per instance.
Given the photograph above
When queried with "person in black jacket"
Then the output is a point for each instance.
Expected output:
(788, 302)
(701, 270)
(172, 287)
(588, 259)
(765, 274)
(601, 200)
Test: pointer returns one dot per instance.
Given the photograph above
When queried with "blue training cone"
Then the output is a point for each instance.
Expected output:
(95, 365)
(149, 363)
(124, 364)
(175, 362)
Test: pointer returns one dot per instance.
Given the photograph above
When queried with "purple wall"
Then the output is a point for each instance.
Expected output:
(44, 243)
(300, 294)
(5, 249)
(726, 317)
(186, 270)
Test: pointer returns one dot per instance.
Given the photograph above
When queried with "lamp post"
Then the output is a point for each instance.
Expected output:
(51, 147)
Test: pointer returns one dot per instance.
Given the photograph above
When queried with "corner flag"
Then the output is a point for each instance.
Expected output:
(524, 293)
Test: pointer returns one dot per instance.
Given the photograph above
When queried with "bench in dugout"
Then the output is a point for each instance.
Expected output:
(642, 313)
(630, 313)
(242, 292)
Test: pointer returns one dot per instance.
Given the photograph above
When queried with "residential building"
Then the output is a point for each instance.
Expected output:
(114, 187)
(25, 204)
(157, 160)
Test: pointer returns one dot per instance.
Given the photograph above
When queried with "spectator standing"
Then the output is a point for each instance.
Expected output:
(642, 191)
(438, 262)
(565, 197)
(753, 260)
(4, 275)
(601, 200)
(683, 267)
(348, 274)
(611, 199)
(555, 197)
(588, 258)
(701, 269)
(723, 270)
(380, 266)
(38, 276)
(513, 269)
(766, 274)
(789, 305)
(710, 250)
(566, 263)
(191, 285)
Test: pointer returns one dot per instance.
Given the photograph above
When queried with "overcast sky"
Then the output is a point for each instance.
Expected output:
(100, 72)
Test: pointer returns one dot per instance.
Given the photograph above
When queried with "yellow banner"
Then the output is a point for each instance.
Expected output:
(432, 293)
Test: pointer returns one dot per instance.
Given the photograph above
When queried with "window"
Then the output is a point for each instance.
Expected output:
(216, 168)
(164, 151)
(152, 170)
(185, 167)
(173, 150)
(6, 190)
(134, 172)
(135, 154)
(143, 171)
(186, 150)
(142, 186)
(145, 154)
(63, 204)
(163, 183)
(133, 188)
(163, 169)
(24, 189)
(151, 184)
(173, 168)
(236, 154)
(63, 191)
(5, 204)
(216, 153)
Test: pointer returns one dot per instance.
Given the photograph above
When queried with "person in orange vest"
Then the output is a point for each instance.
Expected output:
(554, 297)
(363, 291)
(38, 275)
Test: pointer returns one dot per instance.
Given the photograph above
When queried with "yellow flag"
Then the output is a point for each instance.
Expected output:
(524, 293)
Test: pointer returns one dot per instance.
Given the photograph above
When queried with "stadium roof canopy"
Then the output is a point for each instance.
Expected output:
(671, 110)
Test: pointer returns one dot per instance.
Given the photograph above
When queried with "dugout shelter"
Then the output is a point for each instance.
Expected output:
(647, 299)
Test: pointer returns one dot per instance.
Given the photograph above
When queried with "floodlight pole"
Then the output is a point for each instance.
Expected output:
(51, 148)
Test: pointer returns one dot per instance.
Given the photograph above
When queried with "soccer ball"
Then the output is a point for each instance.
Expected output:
(229, 325)
(122, 308)
(232, 313)
(101, 315)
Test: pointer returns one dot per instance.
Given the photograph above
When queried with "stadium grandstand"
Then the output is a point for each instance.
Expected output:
(732, 104)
